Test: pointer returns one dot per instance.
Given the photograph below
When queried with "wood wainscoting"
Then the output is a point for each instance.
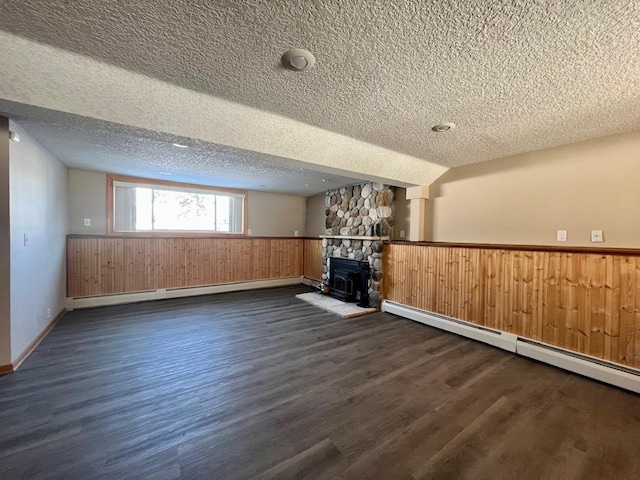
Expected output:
(105, 265)
(313, 258)
(583, 301)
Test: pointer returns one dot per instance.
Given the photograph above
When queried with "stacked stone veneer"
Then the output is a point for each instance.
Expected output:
(355, 211)
(358, 210)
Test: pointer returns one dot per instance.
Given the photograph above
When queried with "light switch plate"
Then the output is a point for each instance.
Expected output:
(401, 233)
(596, 236)
(561, 236)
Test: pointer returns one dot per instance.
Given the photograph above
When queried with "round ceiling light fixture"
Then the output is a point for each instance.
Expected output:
(443, 127)
(298, 60)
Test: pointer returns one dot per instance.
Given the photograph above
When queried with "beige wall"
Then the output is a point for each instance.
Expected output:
(276, 215)
(270, 214)
(524, 199)
(87, 199)
(403, 212)
(316, 216)
(39, 196)
(5, 247)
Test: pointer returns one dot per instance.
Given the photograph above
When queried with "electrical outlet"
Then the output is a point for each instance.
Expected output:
(48, 313)
(596, 236)
(561, 236)
(249, 231)
(401, 233)
(295, 233)
(87, 222)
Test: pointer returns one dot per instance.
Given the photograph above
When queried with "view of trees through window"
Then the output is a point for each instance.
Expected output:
(158, 209)
(148, 208)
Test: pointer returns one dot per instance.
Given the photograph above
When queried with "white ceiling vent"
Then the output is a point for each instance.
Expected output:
(298, 60)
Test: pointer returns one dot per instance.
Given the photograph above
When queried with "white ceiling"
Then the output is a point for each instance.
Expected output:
(515, 76)
(97, 147)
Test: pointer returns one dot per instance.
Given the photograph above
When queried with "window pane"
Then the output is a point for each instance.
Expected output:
(223, 213)
(143, 208)
(183, 211)
(140, 207)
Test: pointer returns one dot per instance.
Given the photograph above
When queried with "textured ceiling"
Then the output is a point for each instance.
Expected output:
(48, 83)
(514, 76)
(146, 155)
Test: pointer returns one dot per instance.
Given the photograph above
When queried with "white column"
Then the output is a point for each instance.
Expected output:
(418, 218)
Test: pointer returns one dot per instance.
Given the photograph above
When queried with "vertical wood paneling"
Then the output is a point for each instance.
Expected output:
(313, 258)
(104, 265)
(585, 302)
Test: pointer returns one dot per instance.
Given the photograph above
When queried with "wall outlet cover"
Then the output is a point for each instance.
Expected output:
(561, 236)
(597, 236)
(295, 233)
(87, 222)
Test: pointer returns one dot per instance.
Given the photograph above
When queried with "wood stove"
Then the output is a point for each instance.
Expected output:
(349, 280)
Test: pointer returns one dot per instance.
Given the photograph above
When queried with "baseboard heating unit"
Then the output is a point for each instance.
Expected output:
(165, 293)
(591, 367)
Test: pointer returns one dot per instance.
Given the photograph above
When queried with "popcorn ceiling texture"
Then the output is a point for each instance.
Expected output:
(515, 76)
(60, 85)
(149, 156)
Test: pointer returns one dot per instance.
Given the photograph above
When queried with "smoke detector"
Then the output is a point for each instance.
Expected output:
(298, 60)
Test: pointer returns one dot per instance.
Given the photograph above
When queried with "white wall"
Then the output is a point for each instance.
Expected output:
(270, 214)
(526, 198)
(39, 208)
(5, 243)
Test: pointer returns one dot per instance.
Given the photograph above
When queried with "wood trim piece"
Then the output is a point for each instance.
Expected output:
(124, 178)
(6, 369)
(34, 344)
(528, 248)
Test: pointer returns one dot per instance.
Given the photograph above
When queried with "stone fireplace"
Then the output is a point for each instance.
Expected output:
(349, 280)
(358, 220)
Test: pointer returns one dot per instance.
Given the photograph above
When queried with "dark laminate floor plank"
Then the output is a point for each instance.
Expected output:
(261, 385)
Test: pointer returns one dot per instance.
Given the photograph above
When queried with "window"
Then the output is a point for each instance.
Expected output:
(153, 207)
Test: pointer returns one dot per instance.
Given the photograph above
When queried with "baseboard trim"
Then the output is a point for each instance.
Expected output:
(311, 282)
(161, 294)
(591, 367)
(504, 340)
(4, 369)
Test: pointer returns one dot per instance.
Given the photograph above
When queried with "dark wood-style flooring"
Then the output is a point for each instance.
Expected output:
(261, 385)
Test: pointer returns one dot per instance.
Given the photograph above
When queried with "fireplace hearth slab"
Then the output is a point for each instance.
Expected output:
(332, 305)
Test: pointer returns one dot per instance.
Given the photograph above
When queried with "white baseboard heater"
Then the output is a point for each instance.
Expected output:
(591, 367)
(162, 293)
